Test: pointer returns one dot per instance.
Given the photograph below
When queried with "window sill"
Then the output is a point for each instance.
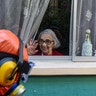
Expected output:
(45, 66)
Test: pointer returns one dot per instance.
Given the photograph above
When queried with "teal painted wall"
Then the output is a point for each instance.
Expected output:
(61, 86)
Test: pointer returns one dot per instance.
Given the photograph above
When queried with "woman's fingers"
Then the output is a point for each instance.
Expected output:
(31, 48)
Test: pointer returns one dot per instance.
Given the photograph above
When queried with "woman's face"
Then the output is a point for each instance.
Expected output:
(46, 44)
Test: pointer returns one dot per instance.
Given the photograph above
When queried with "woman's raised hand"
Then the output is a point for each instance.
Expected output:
(31, 47)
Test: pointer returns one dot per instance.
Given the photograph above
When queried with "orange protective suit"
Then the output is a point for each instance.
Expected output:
(9, 43)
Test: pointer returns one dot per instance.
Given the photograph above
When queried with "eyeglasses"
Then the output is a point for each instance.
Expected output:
(47, 41)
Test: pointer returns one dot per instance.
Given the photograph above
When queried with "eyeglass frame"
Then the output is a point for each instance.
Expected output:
(47, 41)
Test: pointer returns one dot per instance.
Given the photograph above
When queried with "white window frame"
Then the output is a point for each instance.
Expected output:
(63, 65)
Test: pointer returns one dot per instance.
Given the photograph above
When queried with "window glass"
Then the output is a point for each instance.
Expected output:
(24, 19)
(57, 18)
(10, 15)
(84, 30)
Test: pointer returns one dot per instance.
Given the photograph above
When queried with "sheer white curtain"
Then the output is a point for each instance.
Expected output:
(34, 12)
(22, 17)
(10, 11)
(86, 19)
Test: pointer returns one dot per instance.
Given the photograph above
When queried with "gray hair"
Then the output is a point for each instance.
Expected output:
(55, 39)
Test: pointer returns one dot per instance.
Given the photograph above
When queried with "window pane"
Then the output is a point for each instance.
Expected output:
(10, 15)
(85, 30)
(57, 17)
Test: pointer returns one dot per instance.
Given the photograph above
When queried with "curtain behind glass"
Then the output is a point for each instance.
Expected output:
(10, 11)
(86, 19)
(34, 12)
(22, 17)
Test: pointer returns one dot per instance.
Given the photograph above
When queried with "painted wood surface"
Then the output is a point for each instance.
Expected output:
(61, 86)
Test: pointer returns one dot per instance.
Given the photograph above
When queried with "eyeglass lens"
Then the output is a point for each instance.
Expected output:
(47, 41)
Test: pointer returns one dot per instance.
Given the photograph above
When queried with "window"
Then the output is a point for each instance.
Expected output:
(57, 17)
(28, 18)
(81, 20)
(84, 32)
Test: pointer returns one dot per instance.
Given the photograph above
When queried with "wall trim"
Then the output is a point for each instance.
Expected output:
(45, 66)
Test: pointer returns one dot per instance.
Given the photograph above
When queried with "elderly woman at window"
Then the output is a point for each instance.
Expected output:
(46, 44)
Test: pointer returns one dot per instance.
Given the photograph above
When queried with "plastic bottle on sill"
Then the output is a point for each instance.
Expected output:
(87, 45)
